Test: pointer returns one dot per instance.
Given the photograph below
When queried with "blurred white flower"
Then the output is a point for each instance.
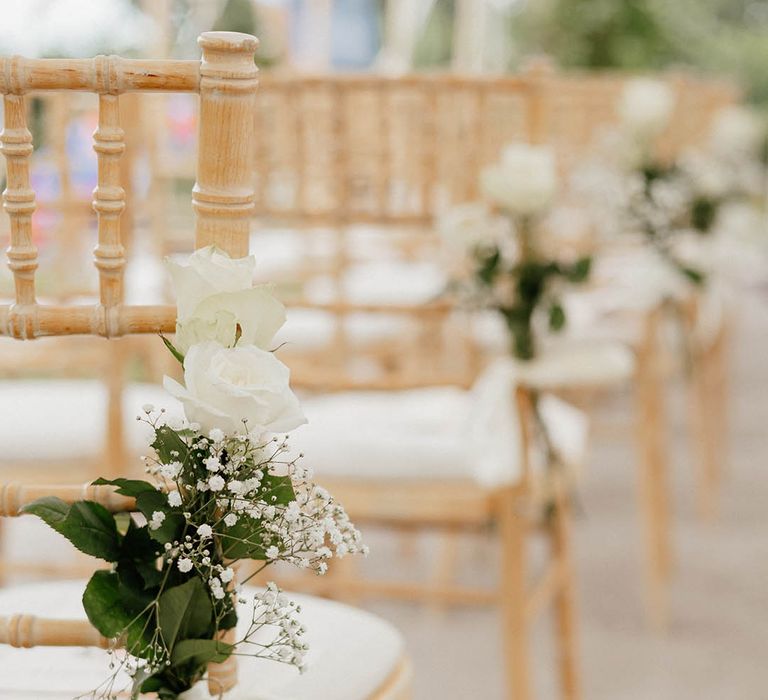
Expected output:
(524, 182)
(646, 107)
(467, 225)
(736, 131)
(226, 386)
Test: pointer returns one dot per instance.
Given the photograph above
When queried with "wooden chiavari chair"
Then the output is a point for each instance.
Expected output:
(226, 82)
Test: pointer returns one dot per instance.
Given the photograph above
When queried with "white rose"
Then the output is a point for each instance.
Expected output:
(468, 225)
(646, 106)
(214, 294)
(525, 180)
(225, 386)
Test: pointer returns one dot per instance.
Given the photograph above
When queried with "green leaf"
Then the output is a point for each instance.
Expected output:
(126, 487)
(173, 525)
(488, 265)
(166, 443)
(235, 543)
(703, 213)
(279, 487)
(184, 612)
(87, 525)
(173, 350)
(579, 271)
(694, 276)
(556, 317)
(50, 510)
(201, 651)
(104, 605)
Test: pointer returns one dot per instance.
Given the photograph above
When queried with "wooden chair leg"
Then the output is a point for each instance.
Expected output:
(653, 488)
(515, 629)
(565, 599)
(447, 562)
(699, 419)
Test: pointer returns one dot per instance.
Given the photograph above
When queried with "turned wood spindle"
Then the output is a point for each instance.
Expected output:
(109, 196)
(223, 196)
(19, 203)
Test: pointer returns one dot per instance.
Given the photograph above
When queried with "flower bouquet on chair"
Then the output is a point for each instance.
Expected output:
(672, 203)
(222, 488)
(507, 260)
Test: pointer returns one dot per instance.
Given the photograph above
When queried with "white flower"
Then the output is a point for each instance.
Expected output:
(157, 520)
(205, 530)
(272, 552)
(469, 225)
(646, 106)
(525, 180)
(216, 588)
(227, 575)
(216, 483)
(174, 499)
(292, 512)
(235, 486)
(225, 386)
(215, 294)
(170, 471)
(216, 435)
(185, 565)
(212, 464)
(230, 519)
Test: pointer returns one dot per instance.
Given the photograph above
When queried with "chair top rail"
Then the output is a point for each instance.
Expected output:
(102, 74)
(278, 79)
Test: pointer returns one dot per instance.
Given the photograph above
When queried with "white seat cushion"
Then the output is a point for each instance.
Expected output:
(313, 328)
(67, 418)
(352, 653)
(439, 432)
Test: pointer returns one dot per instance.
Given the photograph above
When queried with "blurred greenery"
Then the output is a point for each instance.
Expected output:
(729, 37)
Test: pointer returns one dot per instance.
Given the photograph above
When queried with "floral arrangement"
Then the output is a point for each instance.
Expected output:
(222, 489)
(506, 262)
(670, 201)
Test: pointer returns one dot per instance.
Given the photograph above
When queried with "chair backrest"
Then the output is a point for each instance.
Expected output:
(222, 197)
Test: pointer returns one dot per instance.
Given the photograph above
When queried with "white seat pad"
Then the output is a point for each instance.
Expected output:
(352, 653)
(438, 432)
(67, 418)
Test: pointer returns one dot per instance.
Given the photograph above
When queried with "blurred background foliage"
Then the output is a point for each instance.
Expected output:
(729, 37)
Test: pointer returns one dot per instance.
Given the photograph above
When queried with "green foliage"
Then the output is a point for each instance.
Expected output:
(173, 349)
(169, 445)
(597, 34)
(126, 487)
(87, 525)
(104, 606)
(703, 213)
(172, 527)
(201, 651)
(184, 612)
(532, 281)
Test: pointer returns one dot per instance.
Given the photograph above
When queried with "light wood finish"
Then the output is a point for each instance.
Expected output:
(15, 495)
(26, 631)
(222, 197)
(707, 402)
(653, 491)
